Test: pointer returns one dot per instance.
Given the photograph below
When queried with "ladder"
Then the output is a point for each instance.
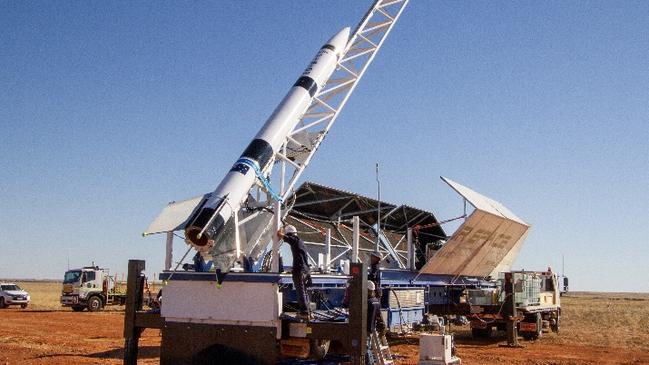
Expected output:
(380, 349)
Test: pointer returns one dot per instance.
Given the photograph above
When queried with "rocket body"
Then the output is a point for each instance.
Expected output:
(210, 228)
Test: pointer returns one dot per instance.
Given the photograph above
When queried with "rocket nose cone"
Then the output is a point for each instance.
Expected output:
(339, 41)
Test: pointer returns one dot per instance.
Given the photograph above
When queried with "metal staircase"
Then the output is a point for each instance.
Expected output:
(380, 350)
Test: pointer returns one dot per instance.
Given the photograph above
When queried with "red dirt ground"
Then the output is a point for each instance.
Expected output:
(542, 352)
(65, 337)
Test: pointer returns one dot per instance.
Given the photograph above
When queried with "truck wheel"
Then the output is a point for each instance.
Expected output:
(77, 308)
(94, 304)
(319, 348)
(23, 306)
(557, 325)
(2, 303)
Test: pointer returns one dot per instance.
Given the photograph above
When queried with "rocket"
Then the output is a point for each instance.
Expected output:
(210, 227)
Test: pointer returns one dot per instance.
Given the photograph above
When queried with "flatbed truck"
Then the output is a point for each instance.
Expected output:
(536, 299)
(91, 288)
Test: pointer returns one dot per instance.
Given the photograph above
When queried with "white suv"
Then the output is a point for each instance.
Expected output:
(12, 294)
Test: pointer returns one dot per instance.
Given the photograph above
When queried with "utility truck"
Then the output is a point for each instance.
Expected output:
(91, 287)
(536, 297)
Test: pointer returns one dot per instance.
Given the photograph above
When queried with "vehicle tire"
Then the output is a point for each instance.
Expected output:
(95, 304)
(481, 332)
(557, 325)
(319, 348)
(2, 303)
(23, 306)
(77, 308)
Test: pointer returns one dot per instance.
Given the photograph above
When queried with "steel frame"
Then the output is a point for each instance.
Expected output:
(386, 248)
(301, 144)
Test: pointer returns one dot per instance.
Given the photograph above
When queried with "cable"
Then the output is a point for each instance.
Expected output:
(400, 310)
(260, 175)
(178, 265)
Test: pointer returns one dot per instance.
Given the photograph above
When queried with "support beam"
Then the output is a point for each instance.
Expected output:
(355, 239)
(277, 224)
(327, 262)
(237, 238)
(169, 252)
(411, 250)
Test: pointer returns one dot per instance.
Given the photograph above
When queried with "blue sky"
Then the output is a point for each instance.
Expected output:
(111, 109)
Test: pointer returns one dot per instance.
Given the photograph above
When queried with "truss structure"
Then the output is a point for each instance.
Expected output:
(323, 213)
(301, 144)
(261, 214)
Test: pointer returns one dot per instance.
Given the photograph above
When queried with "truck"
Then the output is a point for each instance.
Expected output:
(536, 300)
(91, 287)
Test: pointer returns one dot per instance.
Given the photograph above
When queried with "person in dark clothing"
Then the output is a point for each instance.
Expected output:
(373, 315)
(374, 275)
(373, 307)
(300, 269)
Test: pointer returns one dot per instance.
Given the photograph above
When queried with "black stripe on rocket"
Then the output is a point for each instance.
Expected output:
(258, 150)
(307, 84)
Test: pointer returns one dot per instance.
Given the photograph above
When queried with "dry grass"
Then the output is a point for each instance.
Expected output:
(605, 319)
(45, 295)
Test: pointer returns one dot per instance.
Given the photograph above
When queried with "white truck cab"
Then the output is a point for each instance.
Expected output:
(89, 287)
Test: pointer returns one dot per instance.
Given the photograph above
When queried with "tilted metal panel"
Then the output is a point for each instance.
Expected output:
(508, 261)
(482, 202)
(479, 246)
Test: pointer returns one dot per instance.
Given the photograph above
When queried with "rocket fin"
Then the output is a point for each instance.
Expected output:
(176, 215)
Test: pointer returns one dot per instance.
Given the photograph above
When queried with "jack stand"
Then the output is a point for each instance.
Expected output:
(512, 334)
(509, 310)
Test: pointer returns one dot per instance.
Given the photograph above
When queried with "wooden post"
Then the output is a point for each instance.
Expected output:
(134, 286)
(509, 311)
(358, 313)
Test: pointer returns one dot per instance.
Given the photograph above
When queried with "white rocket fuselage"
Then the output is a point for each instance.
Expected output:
(209, 222)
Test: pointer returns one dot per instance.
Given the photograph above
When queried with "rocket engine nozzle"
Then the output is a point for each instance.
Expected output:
(192, 234)
(204, 228)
